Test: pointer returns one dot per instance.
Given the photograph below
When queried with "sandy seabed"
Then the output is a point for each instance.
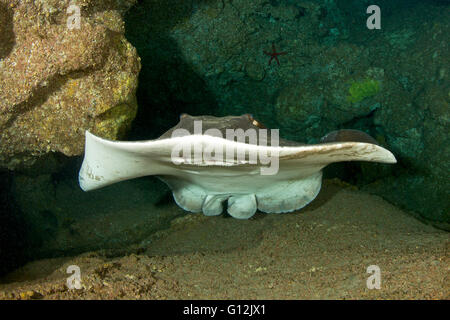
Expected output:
(320, 252)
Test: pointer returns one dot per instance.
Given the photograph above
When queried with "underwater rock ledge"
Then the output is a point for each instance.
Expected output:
(56, 82)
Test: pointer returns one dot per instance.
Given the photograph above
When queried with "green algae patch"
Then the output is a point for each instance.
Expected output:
(359, 90)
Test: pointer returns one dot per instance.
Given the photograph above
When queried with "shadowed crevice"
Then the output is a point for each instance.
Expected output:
(7, 36)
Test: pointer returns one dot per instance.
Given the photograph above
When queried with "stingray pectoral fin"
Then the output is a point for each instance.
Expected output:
(187, 195)
(289, 195)
(189, 198)
(326, 153)
(106, 162)
(302, 167)
(213, 204)
(242, 206)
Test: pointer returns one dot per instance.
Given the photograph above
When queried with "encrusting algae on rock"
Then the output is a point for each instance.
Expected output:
(48, 100)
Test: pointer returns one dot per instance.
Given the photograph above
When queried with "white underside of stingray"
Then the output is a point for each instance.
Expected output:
(206, 186)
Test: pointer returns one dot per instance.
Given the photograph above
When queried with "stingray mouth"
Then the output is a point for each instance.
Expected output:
(239, 206)
(277, 197)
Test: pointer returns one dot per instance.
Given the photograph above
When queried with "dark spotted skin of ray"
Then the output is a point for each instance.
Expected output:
(246, 121)
(348, 135)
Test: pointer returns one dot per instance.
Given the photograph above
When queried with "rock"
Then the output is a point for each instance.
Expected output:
(415, 116)
(58, 82)
(30, 295)
(331, 98)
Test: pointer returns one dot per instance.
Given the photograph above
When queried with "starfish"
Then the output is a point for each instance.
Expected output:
(274, 54)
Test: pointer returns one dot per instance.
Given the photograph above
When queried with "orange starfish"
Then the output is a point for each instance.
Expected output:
(274, 54)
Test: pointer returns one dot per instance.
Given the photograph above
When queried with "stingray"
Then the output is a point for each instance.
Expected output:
(208, 161)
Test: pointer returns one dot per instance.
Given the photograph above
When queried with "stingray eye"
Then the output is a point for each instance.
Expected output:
(255, 122)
